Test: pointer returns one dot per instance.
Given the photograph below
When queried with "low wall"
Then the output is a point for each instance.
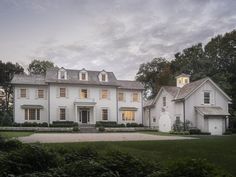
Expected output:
(38, 129)
(127, 129)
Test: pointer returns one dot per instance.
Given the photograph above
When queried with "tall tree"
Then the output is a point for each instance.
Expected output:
(7, 71)
(154, 74)
(39, 66)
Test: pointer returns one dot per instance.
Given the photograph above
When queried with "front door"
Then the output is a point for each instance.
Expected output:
(84, 116)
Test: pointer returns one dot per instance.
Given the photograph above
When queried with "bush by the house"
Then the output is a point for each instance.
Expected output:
(101, 129)
(108, 124)
(76, 129)
(134, 125)
(179, 126)
(179, 132)
(194, 131)
(30, 124)
(6, 118)
(63, 124)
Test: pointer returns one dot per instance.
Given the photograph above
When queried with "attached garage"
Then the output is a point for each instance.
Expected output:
(214, 119)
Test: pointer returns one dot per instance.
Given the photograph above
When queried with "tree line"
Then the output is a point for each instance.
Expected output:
(216, 59)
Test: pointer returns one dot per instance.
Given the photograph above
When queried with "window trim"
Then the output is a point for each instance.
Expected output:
(107, 96)
(204, 98)
(123, 97)
(27, 114)
(125, 119)
(106, 113)
(60, 92)
(87, 95)
(21, 93)
(39, 94)
(134, 93)
(62, 108)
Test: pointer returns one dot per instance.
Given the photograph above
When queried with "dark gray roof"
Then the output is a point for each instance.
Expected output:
(172, 90)
(133, 85)
(73, 77)
(28, 79)
(148, 103)
(211, 111)
(189, 88)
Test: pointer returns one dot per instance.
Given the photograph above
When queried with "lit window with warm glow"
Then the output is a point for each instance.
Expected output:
(128, 115)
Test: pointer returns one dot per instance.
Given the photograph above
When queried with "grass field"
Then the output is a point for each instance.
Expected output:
(12, 134)
(220, 150)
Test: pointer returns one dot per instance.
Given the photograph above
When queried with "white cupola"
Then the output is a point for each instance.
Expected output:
(182, 80)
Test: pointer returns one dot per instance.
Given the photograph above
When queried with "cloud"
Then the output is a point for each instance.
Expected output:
(114, 35)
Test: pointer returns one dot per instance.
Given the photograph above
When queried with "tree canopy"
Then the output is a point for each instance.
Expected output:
(40, 66)
(216, 59)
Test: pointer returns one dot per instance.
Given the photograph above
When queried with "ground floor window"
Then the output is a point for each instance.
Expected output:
(104, 114)
(32, 114)
(62, 114)
(128, 115)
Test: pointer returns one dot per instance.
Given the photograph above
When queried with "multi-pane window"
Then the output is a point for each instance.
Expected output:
(62, 114)
(62, 92)
(104, 114)
(63, 74)
(103, 77)
(83, 76)
(128, 115)
(177, 119)
(164, 101)
(121, 96)
(40, 93)
(185, 81)
(135, 97)
(23, 93)
(206, 97)
(32, 114)
(104, 94)
(83, 93)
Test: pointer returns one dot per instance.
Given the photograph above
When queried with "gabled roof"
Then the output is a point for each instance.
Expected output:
(187, 90)
(183, 75)
(148, 103)
(28, 79)
(211, 111)
(133, 85)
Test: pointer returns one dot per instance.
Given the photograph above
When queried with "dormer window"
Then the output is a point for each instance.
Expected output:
(83, 75)
(62, 74)
(103, 77)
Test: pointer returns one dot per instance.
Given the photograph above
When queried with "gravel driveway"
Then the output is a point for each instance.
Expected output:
(91, 137)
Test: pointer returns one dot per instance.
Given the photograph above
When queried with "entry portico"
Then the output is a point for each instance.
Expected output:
(85, 111)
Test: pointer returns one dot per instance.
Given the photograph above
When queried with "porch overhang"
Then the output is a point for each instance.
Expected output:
(84, 102)
(26, 106)
(128, 109)
(211, 111)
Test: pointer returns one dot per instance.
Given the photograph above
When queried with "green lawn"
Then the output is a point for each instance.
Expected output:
(219, 150)
(11, 134)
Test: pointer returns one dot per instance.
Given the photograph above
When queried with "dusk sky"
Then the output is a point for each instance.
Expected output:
(115, 35)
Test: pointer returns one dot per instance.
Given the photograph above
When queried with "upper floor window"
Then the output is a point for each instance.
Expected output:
(62, 74)
(164, 101)
(62, 92)
(62, 114)
(121, 96)
(135, 97)
(185, 81)
(23, 93)
(83, 93)
(40, 93)
(83, 75)
(104, 114)
(206, 97)
(103, 77)
(104, 94)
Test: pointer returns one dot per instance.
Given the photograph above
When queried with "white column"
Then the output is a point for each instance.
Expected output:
(76, 110)
(94, 117)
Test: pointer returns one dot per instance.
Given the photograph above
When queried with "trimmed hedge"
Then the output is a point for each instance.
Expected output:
(114, 124)
(64, 124)
(30, 124)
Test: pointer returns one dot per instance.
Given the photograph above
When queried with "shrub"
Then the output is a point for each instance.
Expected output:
(63, 124)
(76, 129)
(101, 129)
(134, 125)
(193, 168)
(195, 131)
(6, 119)
(28, 159)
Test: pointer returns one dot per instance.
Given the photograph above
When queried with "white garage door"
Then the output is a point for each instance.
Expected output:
(165, 123)
(215, 126)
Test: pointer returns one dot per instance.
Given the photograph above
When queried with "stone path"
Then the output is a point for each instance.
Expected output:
(92, 137)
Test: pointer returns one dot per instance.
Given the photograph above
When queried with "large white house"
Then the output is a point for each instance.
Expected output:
(76, 95)
(202, 103)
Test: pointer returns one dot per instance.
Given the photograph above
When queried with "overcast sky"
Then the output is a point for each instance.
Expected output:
(115, 35)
